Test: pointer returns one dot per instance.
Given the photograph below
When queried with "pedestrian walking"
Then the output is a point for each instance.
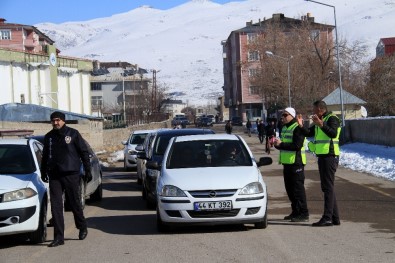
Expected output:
(326, 131)
(261, 131)
(248, 126)
(64, 149)
(228, 127)
(293, 159)
(270, 130)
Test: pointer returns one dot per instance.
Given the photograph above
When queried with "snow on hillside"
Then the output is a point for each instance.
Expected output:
(184, 42)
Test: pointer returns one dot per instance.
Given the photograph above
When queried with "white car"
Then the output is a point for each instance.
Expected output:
(210, 179)
(24, 197)
(129, 152)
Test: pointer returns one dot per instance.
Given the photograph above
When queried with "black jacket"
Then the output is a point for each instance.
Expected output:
(296, 144)
(63, 152)
(329, 128)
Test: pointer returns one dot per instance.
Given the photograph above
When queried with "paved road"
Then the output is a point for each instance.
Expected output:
(121, 229)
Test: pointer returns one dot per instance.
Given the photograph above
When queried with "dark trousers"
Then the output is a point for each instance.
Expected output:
(294, 185)
(261, 137)
(70, 185)
(327, 166)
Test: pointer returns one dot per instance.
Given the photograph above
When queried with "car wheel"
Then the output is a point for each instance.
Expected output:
(151, 204)
(40, 235)
(262, 224)
(125, 167)
(160, 225)
(98, 194)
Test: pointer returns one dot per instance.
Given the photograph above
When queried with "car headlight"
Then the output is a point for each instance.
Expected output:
(18, 195)
(172, 191)
(252, 188)
(153, 173)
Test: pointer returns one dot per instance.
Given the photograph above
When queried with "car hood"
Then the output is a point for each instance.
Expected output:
(211, 178)
(14, 181)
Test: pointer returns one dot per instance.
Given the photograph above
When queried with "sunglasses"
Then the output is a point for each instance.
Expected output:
(284, 115)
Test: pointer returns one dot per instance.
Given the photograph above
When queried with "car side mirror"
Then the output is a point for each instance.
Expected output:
(264, 161)
(124, 142)
(154, 165)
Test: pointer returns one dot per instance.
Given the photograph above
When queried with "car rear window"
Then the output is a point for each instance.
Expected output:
(208, 153)
(16, 159)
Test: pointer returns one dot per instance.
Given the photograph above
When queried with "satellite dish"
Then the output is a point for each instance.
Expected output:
(364, 112)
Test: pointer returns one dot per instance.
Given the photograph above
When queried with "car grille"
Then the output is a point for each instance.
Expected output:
(213, 193)
(173, 213)
(213, 214)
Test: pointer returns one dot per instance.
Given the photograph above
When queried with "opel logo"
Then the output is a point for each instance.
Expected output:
(212, 194)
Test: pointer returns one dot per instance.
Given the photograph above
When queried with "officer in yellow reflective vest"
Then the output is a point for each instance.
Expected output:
(293, 159)
(326, 132)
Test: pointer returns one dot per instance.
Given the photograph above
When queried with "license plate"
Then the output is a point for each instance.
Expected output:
(217, 205)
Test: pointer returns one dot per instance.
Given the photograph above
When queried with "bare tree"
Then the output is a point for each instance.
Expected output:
(380, 93)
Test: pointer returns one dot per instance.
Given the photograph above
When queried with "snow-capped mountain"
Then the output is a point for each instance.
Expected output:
(184, 42)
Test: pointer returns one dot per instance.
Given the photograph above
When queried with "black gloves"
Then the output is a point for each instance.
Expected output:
(44, 177)
(88, 176)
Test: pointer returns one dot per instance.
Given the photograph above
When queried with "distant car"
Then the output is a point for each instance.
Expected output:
(129, 152)
(205, 122)
(209, 180)
(180, 121)
(153, 151)
(237, 121)
(93, 189)
(24, 197)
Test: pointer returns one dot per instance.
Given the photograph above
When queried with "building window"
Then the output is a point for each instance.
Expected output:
(5, 34)
(253, 72)
(95, 86)
(254, 90)
(315, 35)
(251, 37)
(253, 56)
(97, 100)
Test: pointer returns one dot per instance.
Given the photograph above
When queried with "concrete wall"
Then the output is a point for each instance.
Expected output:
(379, 131)
(91, 130)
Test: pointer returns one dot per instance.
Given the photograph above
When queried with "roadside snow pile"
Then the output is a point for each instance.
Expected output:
(377, 160)
(117, 156)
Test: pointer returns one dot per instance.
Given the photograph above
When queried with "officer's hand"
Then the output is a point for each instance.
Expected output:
(44, 177)
(88, 176)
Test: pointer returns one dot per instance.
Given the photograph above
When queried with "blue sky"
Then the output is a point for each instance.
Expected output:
(30, 12)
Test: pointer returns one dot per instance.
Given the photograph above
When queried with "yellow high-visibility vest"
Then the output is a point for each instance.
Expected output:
(286, 156)
(322, 141)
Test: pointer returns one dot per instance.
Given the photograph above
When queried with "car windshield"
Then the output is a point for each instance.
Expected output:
(161, 144)
(208, 153)
(16, 159)
(138, 138)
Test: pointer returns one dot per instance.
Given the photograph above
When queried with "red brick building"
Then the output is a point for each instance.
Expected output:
(239, 62)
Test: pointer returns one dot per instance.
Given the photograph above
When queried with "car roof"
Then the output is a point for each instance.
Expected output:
(142, 131)
(220, 136)
(187, 131)
(19, 141)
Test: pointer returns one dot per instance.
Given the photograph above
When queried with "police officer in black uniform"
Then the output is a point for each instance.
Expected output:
(64, 149)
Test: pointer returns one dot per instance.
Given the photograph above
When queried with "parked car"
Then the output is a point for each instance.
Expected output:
(129, 152)
(154, 151)
(205, 122)
(93, 189)
(237, 121)
(180, 121)
(24, 197)
(211, 179)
